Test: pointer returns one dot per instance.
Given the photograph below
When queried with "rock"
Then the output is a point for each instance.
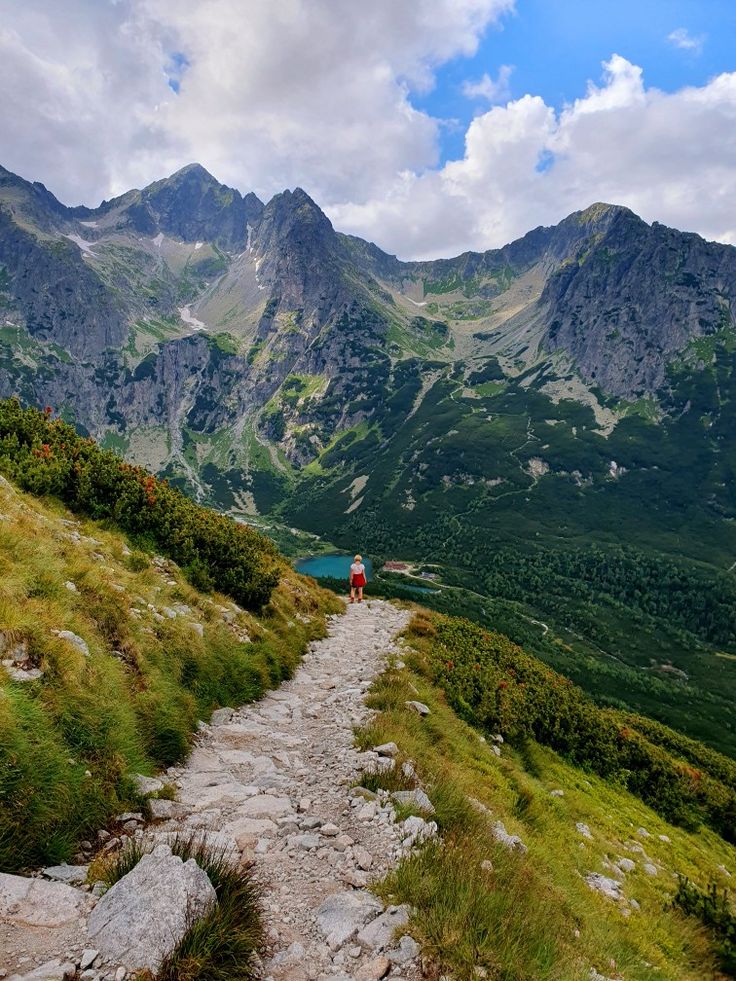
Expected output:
(266, 806)
(643, 833)
(354, 878)
(497, 738)
(419, 707)
(496, 750)
(626, 864)
(50, 971)
(557, 793)
(308, 841)
(329, 830)
(584, 830)
(73, 639)
(70, 586)
(72, 875)
(413, 798)
(665, 839)
(142, 918)
(386, 749)
(407, 950)
(197, 628)
(221, 717)
(147, 785)
(165, 810)
(416, 830)
(512, 842)
(247, 831)
(365, 794)
(23, 674)
(39, 903)
(130, 816)
(650, 869)
(342, 914)
(373, 970)
(88, 958)
(486, 865)
(611, 888)
(379, 933)
(363, 858)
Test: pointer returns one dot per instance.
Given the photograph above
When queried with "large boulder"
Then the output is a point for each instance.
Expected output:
(144, 916)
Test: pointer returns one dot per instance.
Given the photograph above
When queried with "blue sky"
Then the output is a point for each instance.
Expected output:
(555, 46)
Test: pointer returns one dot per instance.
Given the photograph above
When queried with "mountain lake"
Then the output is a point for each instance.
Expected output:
(330, 566)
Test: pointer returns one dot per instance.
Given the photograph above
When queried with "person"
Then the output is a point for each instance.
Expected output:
(357, 579)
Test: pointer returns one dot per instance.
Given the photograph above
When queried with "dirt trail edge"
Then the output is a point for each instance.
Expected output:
(274, 779)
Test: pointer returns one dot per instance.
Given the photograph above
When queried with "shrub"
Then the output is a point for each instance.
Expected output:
(46, 456)
(493, 684)
(714, 911)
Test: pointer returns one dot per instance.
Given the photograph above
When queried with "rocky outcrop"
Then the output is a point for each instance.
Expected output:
(143, 917)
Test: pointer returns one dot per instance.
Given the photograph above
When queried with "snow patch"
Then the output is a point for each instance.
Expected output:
(187, 317)
(248, 244)
(86, 247)
(416, 302)
(89, 224)
(197, 246)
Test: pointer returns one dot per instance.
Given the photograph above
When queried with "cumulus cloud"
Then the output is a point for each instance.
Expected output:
(100, 96)
(106, 96)
(671, 157)
(491, 89)
(682, 38)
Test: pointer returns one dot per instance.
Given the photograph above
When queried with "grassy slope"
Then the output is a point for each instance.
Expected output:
(69, 742)
(533, 916)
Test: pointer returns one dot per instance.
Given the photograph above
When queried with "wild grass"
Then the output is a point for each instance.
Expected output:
(514, 916)
(69, 741)
(222, 945)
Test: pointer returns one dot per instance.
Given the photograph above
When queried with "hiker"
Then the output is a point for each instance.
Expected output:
(357, 579)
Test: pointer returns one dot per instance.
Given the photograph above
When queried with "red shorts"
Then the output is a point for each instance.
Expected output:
(358, 581)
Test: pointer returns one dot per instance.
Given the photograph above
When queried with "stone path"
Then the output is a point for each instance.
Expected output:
(274, 778)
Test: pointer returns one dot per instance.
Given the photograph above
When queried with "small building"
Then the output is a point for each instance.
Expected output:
(395, 567)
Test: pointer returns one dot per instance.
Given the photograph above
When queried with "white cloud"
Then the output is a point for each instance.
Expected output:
(317, 93)
(311, 92)
(682, 38)
(493, 90)
(671, 157)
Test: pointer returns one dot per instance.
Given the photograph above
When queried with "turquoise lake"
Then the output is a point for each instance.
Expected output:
(332, 566)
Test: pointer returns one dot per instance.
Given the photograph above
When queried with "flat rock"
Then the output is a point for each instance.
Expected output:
(165, 810)
(373, 970)
(407, 950)
(343, 914)
(221, 717)
(147, 785)
(419, 707)
(414, 798)
(386, 749)
(55, 970)
(266, 806)
(72, 875)
(141, 919)
(611, 888)
(247, 831)
(40, 903)
(379, 933)
(74, 639)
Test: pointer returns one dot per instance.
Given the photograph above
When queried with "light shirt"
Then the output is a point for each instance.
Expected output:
(357, 569)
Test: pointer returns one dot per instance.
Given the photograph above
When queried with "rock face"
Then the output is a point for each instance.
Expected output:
(141, 919)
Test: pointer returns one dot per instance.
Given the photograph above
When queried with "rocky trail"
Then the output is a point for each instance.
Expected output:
(273, 782)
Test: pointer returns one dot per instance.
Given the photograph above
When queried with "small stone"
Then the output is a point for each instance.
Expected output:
(386, 749)
(643, 833)
(130, 816)
(221, 717)
(198, 629)
(557, 793)
(72, 875)
(665, 839)
(407, 950)
(497, 738)
(419, 707)
(329, 830)
(495, 750)
(88, 958)
(374, 970)
(584, 830)
(71, 587)
(650, 869)
(165, 810)
(103, 835)
(363, 858)
(120, 974)
(486, 865)
(308, 841)
(626, 864)
(413, 798)
(73, 639)
(379, 933)
(147, 785)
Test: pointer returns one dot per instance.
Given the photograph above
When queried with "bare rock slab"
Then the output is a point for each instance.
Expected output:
(39, 903)
(141, 919)
(343, 914)
(379, 933)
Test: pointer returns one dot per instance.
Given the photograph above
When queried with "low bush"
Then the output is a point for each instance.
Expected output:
(46, 456)
(713, 908)
(495, 685)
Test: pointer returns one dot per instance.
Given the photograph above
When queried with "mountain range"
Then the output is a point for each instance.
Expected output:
(494, 418)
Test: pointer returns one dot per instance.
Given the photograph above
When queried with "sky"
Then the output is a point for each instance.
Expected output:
(427, 126)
